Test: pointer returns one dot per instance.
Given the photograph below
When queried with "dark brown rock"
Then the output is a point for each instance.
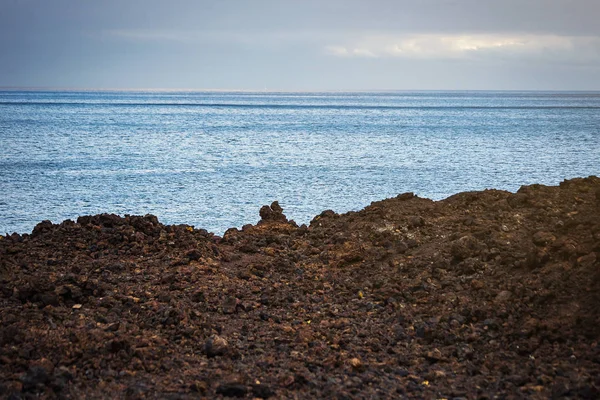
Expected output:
(543, 238)
(216, 346)
(232, 389)
(274, 213)
(262, 391)
(489, 295)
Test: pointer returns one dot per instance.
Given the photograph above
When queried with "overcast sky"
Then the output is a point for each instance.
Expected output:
(301, 44)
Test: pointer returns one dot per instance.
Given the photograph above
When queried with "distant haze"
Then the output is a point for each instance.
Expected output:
(301, 44)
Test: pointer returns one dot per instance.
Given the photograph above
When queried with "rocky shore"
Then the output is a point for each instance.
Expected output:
(483, 295)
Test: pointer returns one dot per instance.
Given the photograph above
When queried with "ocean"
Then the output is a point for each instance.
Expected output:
(212, 159)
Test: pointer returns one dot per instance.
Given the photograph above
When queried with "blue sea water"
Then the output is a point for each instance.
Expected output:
(211, 159)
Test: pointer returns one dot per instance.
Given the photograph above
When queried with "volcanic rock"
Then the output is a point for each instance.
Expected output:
(482, 295)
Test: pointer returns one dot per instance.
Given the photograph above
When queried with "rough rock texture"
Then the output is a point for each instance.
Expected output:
(482, 295)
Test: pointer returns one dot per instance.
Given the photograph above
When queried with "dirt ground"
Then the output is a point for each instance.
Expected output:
(483, 295)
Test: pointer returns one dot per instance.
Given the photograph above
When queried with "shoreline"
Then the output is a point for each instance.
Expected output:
(486, 293)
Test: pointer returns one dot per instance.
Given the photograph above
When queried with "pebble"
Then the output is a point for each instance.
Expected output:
(36, 375)
(232, 389)
(194, 255)
(477, 284)
(230, 305)
(198, 386)
(587, 260)
(262, 391)
(503, 296)
(356, 364)
(216, 346)
(416, 221)
(542, 238)
(434, 356)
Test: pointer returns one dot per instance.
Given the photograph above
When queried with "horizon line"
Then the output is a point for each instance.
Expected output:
(218, 90)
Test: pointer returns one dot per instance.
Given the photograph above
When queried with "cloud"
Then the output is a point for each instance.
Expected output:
(363, 53)
(342, 51)
(473, 46)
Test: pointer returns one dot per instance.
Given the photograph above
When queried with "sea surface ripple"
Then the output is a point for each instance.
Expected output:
(211, 159)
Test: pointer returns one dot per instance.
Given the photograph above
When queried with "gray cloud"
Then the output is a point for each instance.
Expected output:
(513, 47)
(291, 44)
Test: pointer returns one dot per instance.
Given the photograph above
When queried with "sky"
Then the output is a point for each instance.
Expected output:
(301, 45)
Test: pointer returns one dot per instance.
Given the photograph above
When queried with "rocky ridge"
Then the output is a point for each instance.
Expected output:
(481, 295)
